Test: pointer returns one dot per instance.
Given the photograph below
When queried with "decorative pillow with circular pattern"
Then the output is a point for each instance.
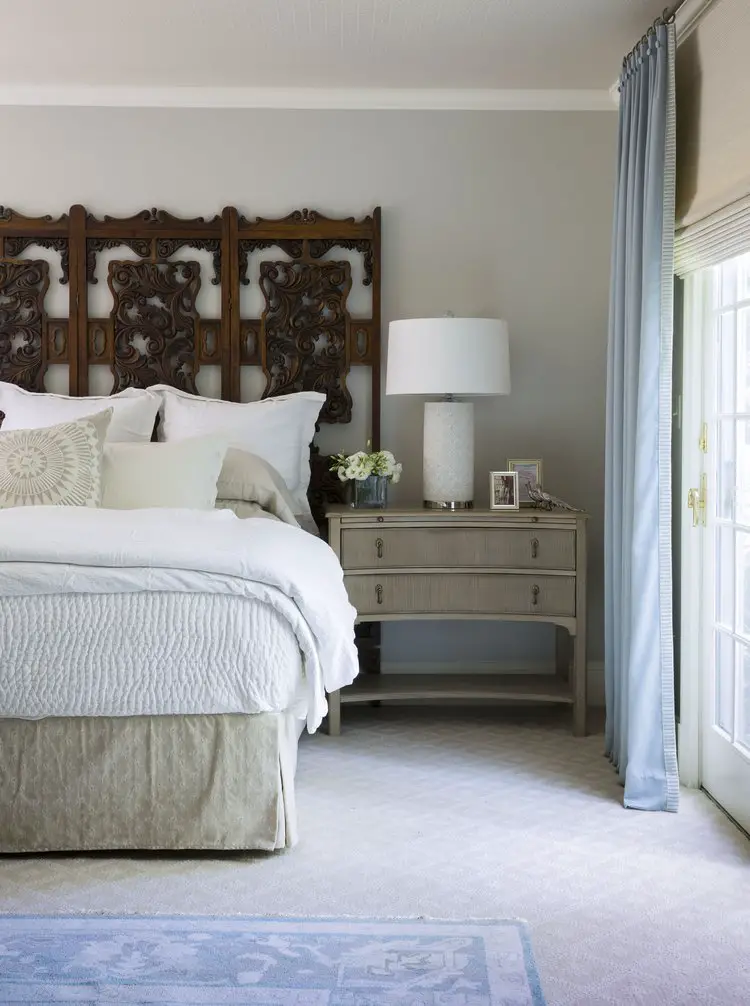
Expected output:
(55, 465)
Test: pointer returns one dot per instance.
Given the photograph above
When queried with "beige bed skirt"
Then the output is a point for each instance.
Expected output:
(148, 782)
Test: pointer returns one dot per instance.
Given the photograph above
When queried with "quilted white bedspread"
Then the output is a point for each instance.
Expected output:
(279, 578)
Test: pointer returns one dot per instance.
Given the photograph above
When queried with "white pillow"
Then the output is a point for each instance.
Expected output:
(54, 465)
(247, 479)
(133, 411)
(183, 475)
(279, 430)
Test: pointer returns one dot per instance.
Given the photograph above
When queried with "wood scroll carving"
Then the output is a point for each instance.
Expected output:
(306, 328)
(304, 339)
(23, 286)
(155, 323)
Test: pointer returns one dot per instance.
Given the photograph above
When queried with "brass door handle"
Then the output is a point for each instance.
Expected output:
(379, 592)
(534, 595)
(534, 548)
(693, 501)
(697, 502)
(379, 547)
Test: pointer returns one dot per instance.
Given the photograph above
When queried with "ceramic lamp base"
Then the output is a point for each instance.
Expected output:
(448, 470)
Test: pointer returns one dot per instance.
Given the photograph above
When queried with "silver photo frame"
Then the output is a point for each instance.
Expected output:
(504, 491)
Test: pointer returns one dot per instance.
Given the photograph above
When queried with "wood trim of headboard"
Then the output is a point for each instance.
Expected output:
(305, 339)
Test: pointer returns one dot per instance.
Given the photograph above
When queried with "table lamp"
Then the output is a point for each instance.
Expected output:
(448, 357)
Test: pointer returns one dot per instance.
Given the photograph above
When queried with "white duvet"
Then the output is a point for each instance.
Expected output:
(54, 553)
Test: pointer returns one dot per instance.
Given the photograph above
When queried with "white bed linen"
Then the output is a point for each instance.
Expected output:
(138, 654)
(68, 550)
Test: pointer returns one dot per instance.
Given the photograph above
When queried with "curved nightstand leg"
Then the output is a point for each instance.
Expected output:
(334, 714)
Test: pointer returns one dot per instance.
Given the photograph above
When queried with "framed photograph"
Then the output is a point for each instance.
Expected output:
(529, 470)
(503, 490)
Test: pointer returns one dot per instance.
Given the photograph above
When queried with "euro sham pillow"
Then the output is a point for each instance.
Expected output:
(55, 465)
(247, 480)
(279, 430)
(182, 475)
(134, 411)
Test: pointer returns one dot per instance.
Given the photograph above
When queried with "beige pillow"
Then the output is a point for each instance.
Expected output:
(181, 474)
(54, 465)
(247, 478)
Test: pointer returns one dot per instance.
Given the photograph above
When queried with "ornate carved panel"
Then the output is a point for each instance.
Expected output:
(319, 246)
(16, 246)
(166, 247)
(293, 248)
(305, 332)
(141, 246)
(23, 286)
(155, 323)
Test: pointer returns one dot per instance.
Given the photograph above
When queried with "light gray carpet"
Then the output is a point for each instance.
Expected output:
(469, 815)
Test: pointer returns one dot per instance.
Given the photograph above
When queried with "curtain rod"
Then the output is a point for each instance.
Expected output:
(667, 16)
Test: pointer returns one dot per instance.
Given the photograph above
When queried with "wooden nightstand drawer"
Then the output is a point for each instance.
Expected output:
(519, 548)
(461, 594)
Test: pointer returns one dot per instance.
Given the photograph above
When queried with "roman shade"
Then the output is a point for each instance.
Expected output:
(713, 141)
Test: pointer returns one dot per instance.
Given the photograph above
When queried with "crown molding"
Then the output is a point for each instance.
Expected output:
(427, 99)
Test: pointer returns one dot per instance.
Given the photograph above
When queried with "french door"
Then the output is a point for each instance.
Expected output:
(716, 540)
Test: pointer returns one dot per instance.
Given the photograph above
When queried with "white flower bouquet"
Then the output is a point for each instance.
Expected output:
(360, 466)
(368, 475)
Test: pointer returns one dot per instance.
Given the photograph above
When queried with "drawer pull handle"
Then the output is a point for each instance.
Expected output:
(535, 595)
(379, 592)
(379, 547)
(534, 548)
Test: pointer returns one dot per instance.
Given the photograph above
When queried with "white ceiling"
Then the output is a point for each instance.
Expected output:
(342, 44)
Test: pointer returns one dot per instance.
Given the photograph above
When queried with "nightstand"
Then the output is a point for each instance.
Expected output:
(413, 563)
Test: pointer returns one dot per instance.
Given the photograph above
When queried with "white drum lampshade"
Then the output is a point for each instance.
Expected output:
(448, 357)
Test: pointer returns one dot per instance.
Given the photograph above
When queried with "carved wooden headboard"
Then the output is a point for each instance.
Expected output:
(305, 337)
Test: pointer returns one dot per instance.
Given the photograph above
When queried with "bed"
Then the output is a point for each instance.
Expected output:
(160, 660)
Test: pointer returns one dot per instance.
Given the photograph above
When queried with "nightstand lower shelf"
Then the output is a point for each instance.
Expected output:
(537, 688)
(405, 687)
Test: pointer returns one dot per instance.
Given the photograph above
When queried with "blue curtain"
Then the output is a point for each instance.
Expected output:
(639, 667)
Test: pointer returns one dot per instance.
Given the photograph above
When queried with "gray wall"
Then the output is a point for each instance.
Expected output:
(484, 213)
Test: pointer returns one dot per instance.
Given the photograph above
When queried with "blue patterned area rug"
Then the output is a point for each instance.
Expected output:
(197, 961)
